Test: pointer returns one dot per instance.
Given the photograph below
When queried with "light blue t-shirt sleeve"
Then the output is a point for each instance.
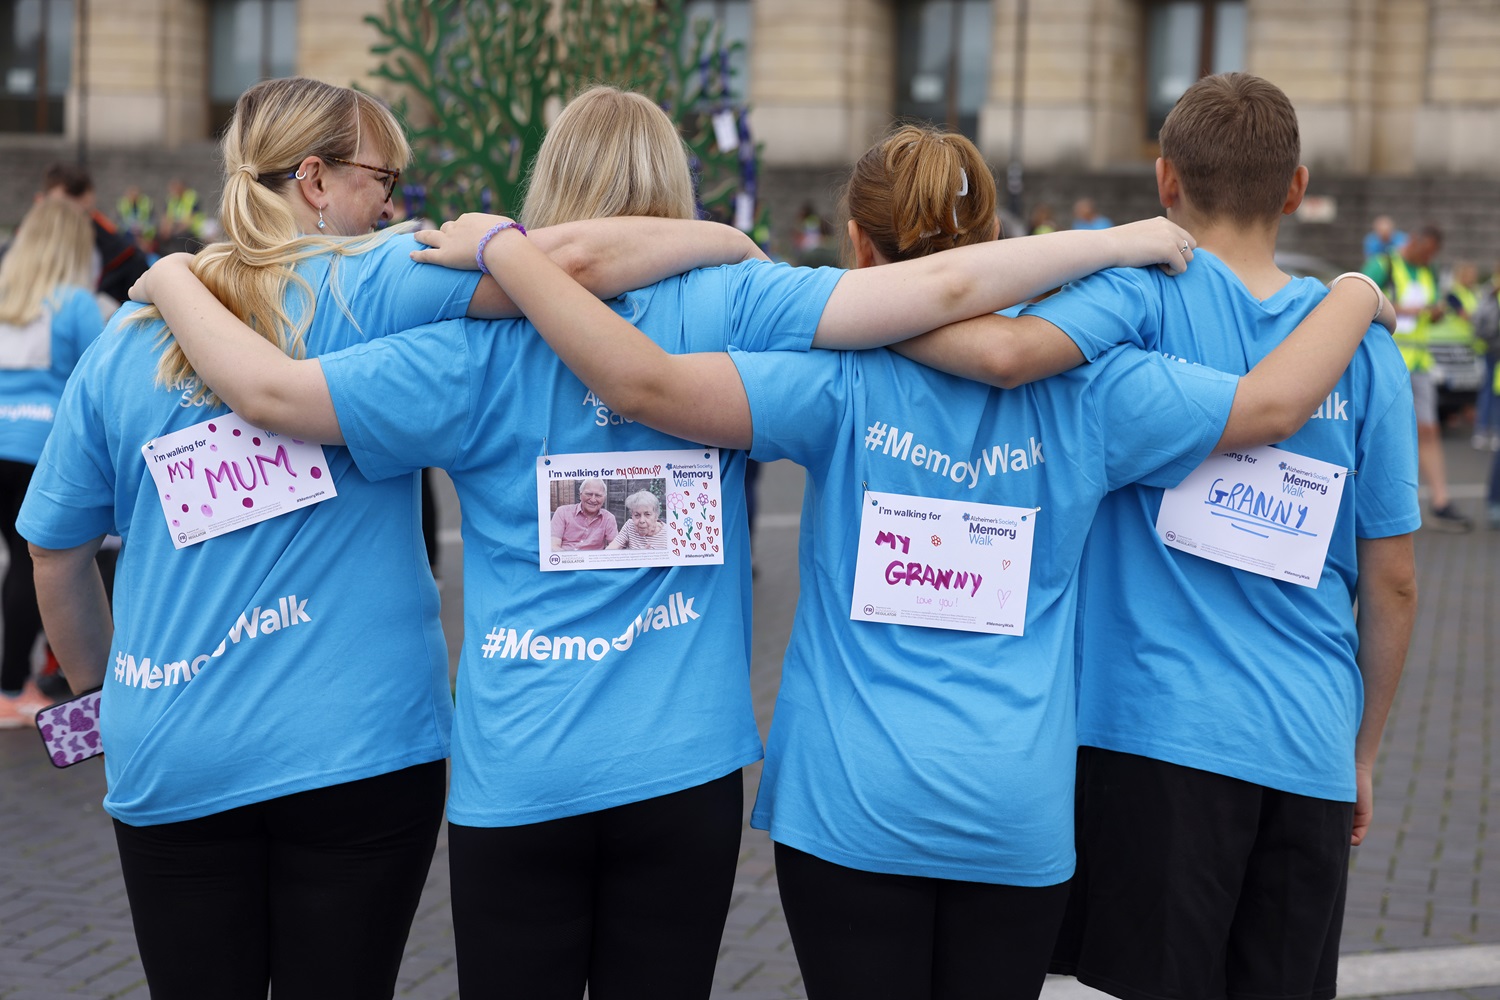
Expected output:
(1158, 419)
(76, 324)
(776, 307)
(389, 292)
(72, 493)
(798, 403)
(1104, 310)
(405, 402)
(1385, 488)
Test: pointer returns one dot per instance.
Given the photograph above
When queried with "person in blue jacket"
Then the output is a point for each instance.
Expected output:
(276, 705)
(47, 318)
(918, 785)
(602, 721)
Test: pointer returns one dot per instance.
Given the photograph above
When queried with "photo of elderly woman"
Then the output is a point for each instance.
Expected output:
(644, 529)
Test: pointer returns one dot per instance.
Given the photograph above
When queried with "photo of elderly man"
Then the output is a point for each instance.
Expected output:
(584, 525)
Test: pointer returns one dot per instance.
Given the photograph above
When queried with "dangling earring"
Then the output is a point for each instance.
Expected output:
(321, 223)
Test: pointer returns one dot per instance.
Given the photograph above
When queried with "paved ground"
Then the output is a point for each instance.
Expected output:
(1423, 917)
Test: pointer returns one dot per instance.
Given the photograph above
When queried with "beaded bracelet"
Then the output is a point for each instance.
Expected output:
(484, 241)
(1367, 280)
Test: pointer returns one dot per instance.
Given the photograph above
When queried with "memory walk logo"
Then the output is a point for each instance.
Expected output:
(998, 459)
(258, 621)
(513, 644)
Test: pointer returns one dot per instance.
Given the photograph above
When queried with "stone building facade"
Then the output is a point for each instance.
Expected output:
(1399, 99)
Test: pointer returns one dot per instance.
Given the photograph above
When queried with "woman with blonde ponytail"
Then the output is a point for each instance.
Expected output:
(276, 702)
(47, 318)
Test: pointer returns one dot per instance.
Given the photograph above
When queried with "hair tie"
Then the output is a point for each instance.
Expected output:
(247, 168)
(963, 189)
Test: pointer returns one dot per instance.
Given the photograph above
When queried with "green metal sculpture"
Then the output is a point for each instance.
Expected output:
(479, 78)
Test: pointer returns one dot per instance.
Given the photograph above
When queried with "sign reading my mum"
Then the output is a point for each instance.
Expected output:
(223, 475)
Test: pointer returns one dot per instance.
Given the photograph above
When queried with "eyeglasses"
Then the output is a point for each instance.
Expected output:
(388, 177)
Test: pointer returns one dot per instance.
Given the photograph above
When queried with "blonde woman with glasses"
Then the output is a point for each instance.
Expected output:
(276, 704)
(47, 318)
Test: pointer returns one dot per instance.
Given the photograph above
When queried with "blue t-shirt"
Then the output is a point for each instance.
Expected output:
(35, 361)
(932, 752)
(578, 691)
(1189, 661)
(300, 652)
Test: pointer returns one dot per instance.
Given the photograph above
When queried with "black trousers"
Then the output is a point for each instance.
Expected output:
(311, 893)
(629, 901)
(862, 934)
(23, 622)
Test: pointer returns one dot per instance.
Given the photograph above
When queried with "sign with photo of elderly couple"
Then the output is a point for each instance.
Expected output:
(616, 510)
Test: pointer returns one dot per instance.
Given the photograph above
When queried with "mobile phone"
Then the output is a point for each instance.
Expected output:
(70, 729)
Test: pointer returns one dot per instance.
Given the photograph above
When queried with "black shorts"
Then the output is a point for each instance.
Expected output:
(1196, 886)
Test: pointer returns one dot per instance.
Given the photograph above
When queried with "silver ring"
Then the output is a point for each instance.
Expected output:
(1183, 249)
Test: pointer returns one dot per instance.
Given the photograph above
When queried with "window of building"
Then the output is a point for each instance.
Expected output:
(943, 61)
(36, 64)
(734, 17)
(1185, 41)
(252, 40)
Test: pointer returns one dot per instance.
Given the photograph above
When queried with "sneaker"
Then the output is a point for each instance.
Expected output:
(11, 716)
(20, 711)
(1448, 518)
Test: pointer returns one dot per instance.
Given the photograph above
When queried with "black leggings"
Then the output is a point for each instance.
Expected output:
(865, 934)
(313, 892)
(630, 901)
(23, 622)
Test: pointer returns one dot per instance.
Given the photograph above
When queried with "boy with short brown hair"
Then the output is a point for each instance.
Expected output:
(1229, 720)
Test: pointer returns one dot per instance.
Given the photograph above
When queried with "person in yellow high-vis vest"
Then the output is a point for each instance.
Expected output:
(1487, 345)
(1408, 279)
(181, 221)
(136, 221)
(1493, 496)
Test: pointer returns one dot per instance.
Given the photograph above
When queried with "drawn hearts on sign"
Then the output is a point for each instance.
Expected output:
(1003, 595)
(1005, 564)
(716, 548)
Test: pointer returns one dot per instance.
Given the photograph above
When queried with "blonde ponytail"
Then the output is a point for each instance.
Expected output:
(276, 125)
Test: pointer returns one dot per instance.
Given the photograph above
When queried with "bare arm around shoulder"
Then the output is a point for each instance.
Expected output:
(251, 374)
(289, 396)
(1004, 351)
(606, 256)
(1279, 395)
(75, 611)
(875, 306)
(1387, 589)
(695, 396)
